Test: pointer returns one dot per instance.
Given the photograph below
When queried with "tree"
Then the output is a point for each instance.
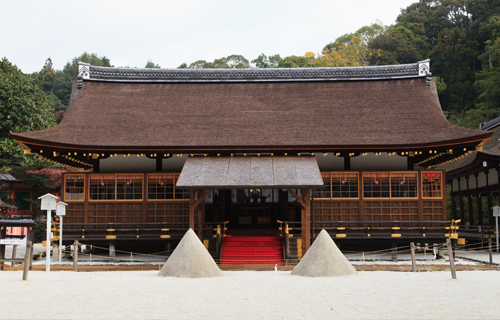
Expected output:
(232, 61)
(399, 45)
(47, 76)
(431, 14)
(64, 79)
(454, 58)
(263, 61)
(488, 79)
(151, 64)
(297, 62)
(24, 106)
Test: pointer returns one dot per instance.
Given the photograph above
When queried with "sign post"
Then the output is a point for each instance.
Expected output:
(61, 212)
(49, 204)
(496, 214)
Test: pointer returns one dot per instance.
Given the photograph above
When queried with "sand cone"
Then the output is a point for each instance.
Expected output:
(190, 259)
(323, 259)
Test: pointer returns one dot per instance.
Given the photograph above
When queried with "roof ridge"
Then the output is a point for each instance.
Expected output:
(88, 72)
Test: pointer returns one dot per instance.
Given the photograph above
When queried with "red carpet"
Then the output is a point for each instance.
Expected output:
(252, 250)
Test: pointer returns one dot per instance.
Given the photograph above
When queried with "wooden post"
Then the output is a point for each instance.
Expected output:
(218, 242)
(452, 259)
(200, 215)
(489, 211)
(3, 233)
(192, 201)
(453, 202)
(14, 254)
(490, 249)
(76, 248)
(286, 242)
(394, 251)
(305, 220)
(27, 260)
(413, 261)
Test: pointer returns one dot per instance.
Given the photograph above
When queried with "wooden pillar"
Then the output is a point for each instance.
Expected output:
(453, 202)
(159, 164)
(201, 214)
(470, 201)
(145, 198)
(489, 210)
(3, 233)
(461, 202)
(192, 201)
(305, 195)
(347, 163)
(86, 196)
(479, 203)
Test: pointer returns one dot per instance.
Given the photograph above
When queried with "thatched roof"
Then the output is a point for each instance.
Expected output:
(313, 109)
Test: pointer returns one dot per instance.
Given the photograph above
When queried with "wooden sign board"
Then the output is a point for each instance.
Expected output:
(61, 208)
(48, 202)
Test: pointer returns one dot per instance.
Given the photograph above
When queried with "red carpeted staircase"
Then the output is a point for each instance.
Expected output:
(252, 250)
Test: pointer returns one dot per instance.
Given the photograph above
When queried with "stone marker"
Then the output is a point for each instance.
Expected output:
(323, 259)
(190, 259)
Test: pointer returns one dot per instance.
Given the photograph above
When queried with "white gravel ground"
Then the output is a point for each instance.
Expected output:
(249, 295)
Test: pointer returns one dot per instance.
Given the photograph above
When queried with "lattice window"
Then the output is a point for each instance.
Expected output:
(162, 187)
(129, 187)
(376, 185)
(432, 185)
(324, 192)
(345, 185)
(102, 187)
(74, 187)
(404, 184)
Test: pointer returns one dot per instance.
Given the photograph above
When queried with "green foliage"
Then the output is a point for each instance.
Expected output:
(431, 14)
(64, 79)
(263, 61)
(399, 45)
(151, 64)
(454, 57)
(24, 106)
(40, 231)
(296, 62)
(183, 66)
(230, 62)
(47, 76)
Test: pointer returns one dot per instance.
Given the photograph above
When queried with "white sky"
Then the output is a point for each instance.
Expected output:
(172, 32)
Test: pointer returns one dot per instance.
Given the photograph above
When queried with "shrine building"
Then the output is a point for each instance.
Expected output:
(256, 152)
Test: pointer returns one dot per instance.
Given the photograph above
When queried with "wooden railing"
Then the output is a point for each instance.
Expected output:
(382, 229)
(288, 229)
(476, 232)
(124, 231)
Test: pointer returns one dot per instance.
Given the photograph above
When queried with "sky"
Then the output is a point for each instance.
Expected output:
(169, 32)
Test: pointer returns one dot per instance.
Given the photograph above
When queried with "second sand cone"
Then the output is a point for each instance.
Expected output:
(190, 259)
(323, 259)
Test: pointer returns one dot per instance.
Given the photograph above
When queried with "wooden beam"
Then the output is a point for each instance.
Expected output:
(297, 198)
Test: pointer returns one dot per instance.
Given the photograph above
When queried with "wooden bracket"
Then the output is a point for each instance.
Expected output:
(302, 203)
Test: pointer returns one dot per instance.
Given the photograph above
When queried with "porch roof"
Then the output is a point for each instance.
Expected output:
(273, 172)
